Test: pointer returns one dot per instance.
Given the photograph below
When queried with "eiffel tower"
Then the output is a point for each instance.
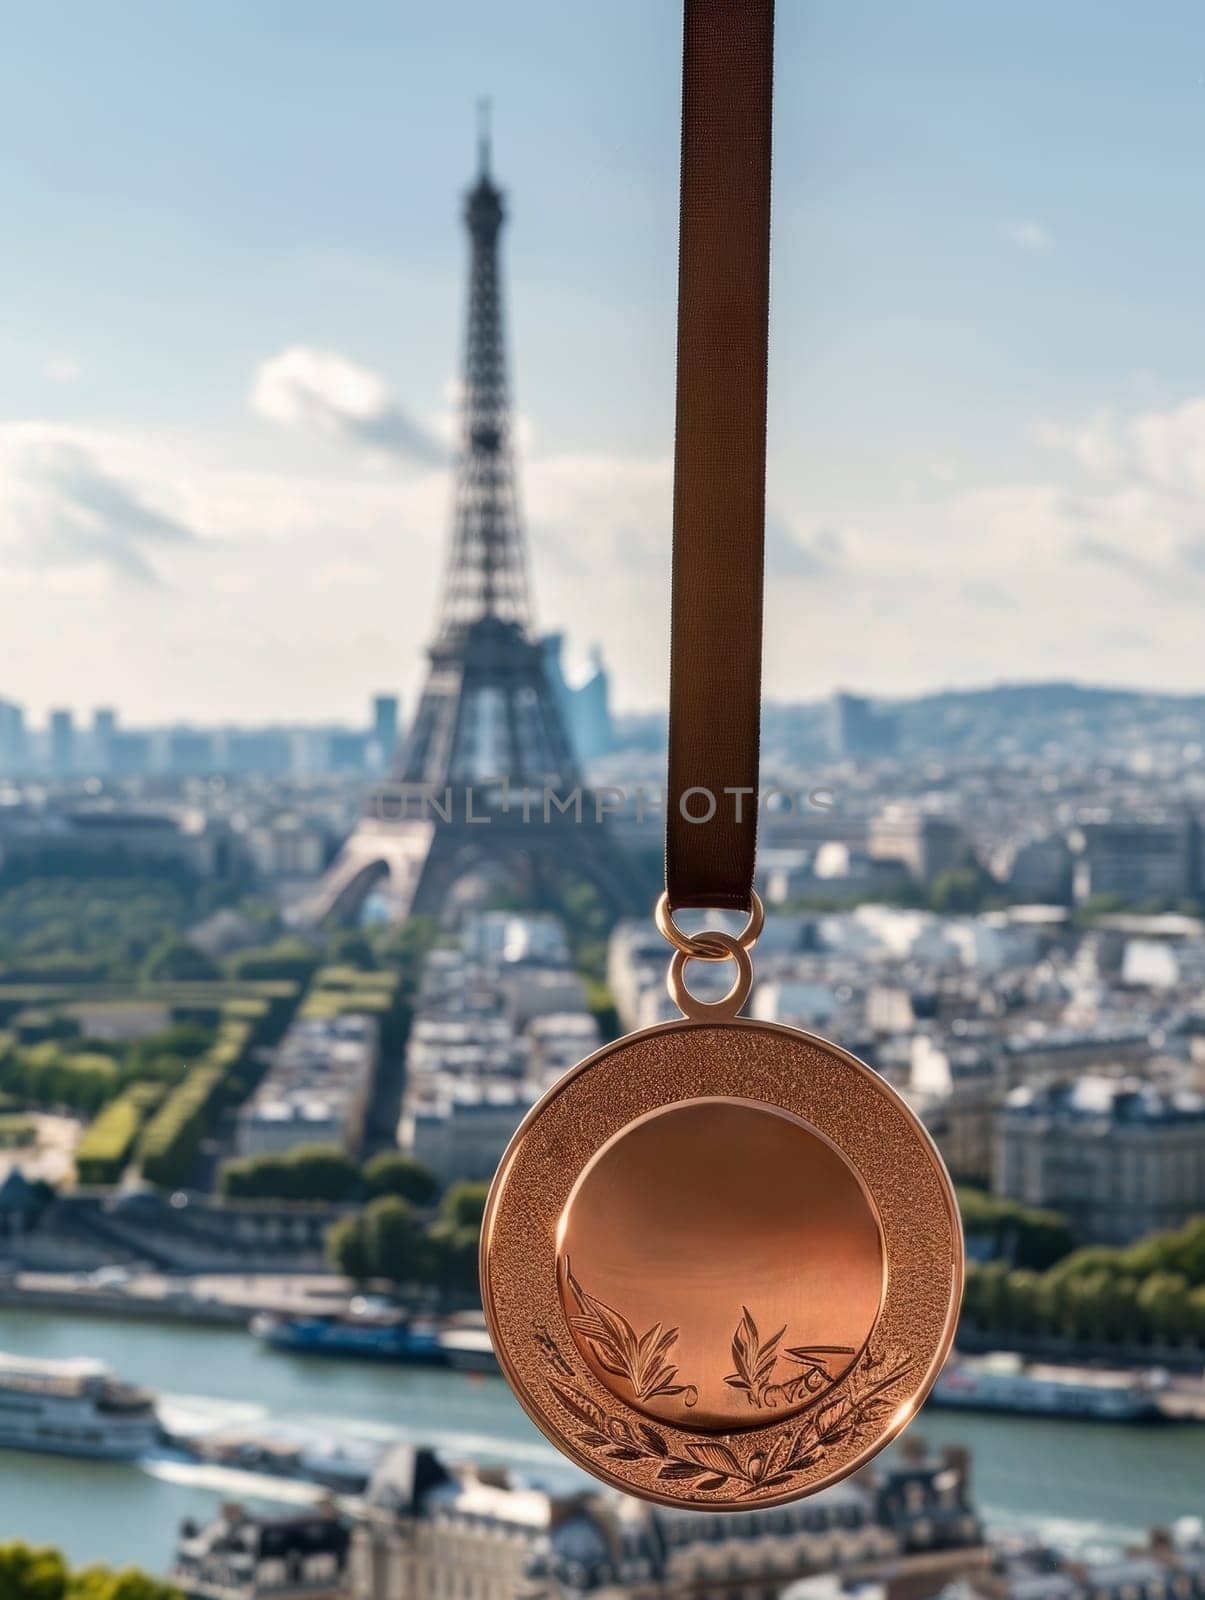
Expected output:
(487, 784)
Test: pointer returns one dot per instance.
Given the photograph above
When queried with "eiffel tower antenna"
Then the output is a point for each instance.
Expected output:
(484, 110)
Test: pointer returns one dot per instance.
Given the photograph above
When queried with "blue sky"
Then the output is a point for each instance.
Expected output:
(231, 235)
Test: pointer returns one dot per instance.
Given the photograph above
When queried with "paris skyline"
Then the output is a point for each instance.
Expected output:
(234, 282)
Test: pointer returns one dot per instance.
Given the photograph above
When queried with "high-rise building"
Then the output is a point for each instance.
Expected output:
(926, 844)
(189, 752)
(266, 750)
(12, 737)
(104, 726)
(130, 754)
(860, 730)
(585, 701)
(1138, 858)
(385, 730)
(62, 743)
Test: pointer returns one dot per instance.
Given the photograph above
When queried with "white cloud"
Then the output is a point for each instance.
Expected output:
(61, 370)
(302, 387)
(1168, 447)
(316, 587)
(62, 506)
(322, 581)
(1027, 234)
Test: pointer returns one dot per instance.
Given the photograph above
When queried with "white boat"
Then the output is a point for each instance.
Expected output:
(468, 1348)
(1001, 1381)
(75, 1408)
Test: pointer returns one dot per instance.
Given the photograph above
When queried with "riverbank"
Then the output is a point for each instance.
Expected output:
(233, 1300)
(228, 1300)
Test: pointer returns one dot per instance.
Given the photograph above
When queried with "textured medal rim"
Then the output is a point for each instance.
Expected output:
(933, 1355)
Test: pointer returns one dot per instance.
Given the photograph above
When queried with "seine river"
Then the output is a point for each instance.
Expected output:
(1086, 1484)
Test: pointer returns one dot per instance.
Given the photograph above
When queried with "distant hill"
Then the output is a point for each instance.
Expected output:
(1020, 718)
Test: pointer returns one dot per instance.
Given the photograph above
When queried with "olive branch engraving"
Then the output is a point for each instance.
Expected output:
(710, 1465)
(756, 1361)
(640, 1359)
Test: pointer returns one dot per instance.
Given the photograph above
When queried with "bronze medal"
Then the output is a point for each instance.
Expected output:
(721, 1260)
(721, 1264)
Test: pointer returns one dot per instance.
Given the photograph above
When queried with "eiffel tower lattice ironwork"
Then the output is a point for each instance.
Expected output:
(487, 781)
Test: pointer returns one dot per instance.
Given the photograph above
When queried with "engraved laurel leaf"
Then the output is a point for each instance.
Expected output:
(755, 1360)
(580, 1406)
(652, 1438)
(618, 1349)
(834, 1422)
(718, 1457)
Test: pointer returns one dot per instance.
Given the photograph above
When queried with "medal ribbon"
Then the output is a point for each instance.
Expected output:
(719, 455)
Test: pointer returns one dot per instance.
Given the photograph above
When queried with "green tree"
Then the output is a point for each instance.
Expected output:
(174, 960)
(1166, 1307)
(28, 1573)
(1018, 1234)
(454, 1257)
(1120, 1314)
(455, 1236)
(351, 947)
(463, 1205)
(127, 1583)
(310, 1172)
(957, 889)
(1196, 1312)
(182, 1041)
(394, 1173)
(348, 1251)
(1023, 1308)
(287, 958)
(397, 1247)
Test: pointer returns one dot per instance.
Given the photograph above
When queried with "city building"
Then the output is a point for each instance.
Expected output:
(584, 699)
(460, 1130)
(957, 1085)
(859, 730)
(1037, 870)
(288, 847)
(1137, 859)
(317, 1089)
(1118, 1157)
(104, 727)
(270, 751)
(245, 1555)
(62, 743)
(384, 731)
(432, 1532)
(928, 845)
(190, 750)
(499, 1017)
(13, 754)
(1170, 1566)
(103, 832)
(129, 753)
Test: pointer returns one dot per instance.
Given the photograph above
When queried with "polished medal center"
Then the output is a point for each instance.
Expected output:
(720, 1264)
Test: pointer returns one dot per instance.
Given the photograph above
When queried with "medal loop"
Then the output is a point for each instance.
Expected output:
(711, 1010)
(708, 946)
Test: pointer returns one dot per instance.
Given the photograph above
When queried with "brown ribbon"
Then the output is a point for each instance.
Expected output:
(719, 454)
